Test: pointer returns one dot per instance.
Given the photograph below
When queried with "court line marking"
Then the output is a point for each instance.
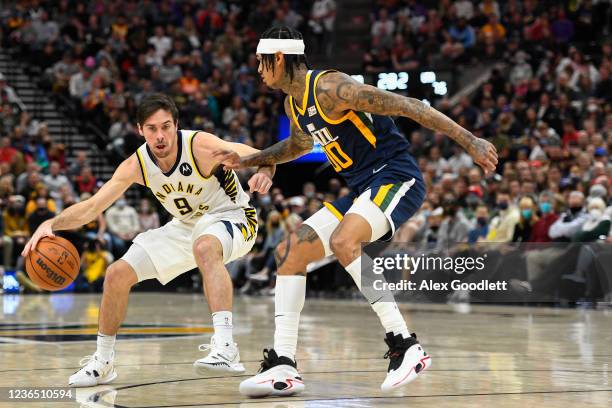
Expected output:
(319, 359)
(366, 398)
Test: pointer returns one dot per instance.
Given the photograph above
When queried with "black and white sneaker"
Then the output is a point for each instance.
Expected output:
(223, 357)
(277, 376)
(407, 360)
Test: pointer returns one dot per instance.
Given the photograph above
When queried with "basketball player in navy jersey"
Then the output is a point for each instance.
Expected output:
(353, 124)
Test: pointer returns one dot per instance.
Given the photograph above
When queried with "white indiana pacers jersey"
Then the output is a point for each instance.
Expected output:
(184, 191)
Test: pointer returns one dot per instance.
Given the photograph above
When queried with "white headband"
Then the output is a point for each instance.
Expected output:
(274, 45)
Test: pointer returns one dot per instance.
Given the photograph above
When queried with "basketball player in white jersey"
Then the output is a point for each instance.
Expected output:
(213, 224)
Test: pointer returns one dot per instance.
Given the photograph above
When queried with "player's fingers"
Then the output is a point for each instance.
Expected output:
(251, 184)
(259, 183)
(267, 186)
(26, 249)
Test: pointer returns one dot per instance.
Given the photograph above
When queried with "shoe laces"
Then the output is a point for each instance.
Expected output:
(214, 348)
(269, 358)
(86, 360)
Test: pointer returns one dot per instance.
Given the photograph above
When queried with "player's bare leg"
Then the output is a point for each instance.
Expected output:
(224, 355)
(99, 368)
(407, 358)
(278, 374)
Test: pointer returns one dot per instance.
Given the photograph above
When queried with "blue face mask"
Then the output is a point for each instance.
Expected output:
(526, 214)
(545, 208)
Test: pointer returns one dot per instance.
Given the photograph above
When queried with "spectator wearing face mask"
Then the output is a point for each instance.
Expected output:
(123, 224)
(501, 228)
(548, 216)
(528, 217)
(571, 220)
(455, 227)
(481, 229)
(597, 223)
(430, 237)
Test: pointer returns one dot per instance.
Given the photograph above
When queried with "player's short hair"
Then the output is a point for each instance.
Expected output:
(154, 102)
(292, 61)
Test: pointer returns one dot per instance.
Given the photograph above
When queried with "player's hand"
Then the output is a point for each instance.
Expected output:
(484, 154)
(260, 183)
(44, 230)
(228, 158)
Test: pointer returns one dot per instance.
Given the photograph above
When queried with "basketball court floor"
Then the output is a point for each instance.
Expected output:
(482, 356)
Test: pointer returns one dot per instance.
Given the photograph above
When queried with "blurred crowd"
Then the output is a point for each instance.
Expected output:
(546, 107)
(105, 55)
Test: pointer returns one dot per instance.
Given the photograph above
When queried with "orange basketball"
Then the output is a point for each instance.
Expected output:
(53, 264)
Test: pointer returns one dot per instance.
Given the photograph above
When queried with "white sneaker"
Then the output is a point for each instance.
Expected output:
(277, 376)
(222, 357)
(407, 361)
(94, 372)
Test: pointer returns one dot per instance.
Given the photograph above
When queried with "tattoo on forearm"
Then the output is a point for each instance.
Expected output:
(296, 145)
(306, 234)
(341, 90)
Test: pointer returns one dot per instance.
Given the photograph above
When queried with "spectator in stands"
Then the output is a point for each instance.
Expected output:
(528, 218)
(123, 224)
(454, 227)
(322, 21)
(548, 216)
(85, 182)
(40, 214)
(571, 221)
(480, 231)
(41, 192)
(501, 228)
(383, 28)
(147, 216)
(95, 260)
(597, 224)
(15, 224)
(55, 179)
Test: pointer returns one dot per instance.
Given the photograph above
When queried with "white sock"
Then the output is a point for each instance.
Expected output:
(105, 347)
(288, 300)
(383, 303)
(222, 323)
(391, 318)
(354, 269)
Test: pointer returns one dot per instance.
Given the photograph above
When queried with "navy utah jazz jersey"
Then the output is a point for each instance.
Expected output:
(359, 144)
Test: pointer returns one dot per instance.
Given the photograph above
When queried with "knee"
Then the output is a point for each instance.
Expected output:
(208, 252)
(344, 247)
(119, 278)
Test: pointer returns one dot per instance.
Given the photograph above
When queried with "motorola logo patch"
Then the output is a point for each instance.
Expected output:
(185, 169)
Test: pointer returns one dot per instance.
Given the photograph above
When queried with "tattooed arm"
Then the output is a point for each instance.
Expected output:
(338, 93)
(297, 144)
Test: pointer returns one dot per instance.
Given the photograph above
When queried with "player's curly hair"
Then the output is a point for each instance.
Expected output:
(292, 62)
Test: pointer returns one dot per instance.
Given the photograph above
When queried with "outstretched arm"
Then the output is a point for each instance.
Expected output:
(228, 152)
(338, 92)
(297, 144)
(86, 211)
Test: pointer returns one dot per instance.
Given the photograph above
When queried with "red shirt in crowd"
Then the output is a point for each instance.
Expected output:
(7, 154)
(84, 184)
(539, 231)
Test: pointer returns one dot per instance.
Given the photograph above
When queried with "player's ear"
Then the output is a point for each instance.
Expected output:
(140, 132)
(279, 59)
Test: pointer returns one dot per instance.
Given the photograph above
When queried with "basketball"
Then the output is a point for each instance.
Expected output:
(53, 264)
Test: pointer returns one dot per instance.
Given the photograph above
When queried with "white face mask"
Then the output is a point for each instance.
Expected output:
(595, 212)
(121, 203)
